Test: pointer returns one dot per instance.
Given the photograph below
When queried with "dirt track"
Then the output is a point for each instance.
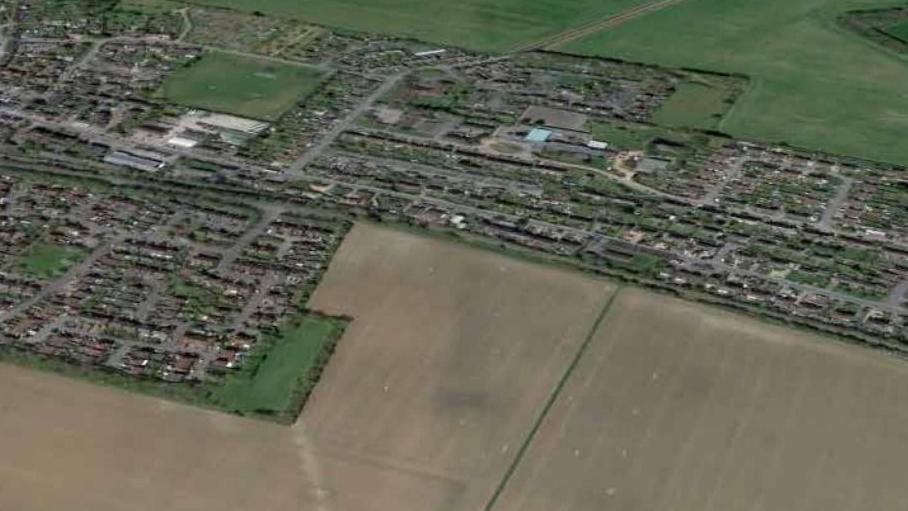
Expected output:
(571, 34)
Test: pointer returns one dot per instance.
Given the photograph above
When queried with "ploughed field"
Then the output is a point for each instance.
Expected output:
(680, 406)
(71, 445)
(471, 381)
(450, 358)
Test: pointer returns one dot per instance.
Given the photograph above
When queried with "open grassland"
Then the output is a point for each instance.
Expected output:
(450, 357)
(488, 25)
(71, 445)
(680, 406)
(244, 86)
(815, 84)
(287, 369)
(899, 31)
(47, 260)
(695, 105)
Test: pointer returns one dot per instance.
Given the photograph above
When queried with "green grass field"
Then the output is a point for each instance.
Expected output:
(815, 84)
(899, 31)
(694, 105)
(633, 137)
(47, 260)
(284, 375)
(248, 87)
(489, 25)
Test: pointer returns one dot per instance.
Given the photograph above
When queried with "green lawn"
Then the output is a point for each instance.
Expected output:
(48, 260)
(815, 84)
(489, 25)
(244, 86)
(899, 31)
(632, 137)
(694, 105)
(284, 373)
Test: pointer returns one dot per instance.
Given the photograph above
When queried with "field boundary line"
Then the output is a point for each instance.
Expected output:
(550, 402)
(592, 27)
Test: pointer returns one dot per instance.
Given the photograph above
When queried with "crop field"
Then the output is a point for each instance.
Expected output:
(680, 406)
(899, 31)
(815, 83)
(487, 25)
(449, 359)
(72, 445)
(243, 86)
(45, 261)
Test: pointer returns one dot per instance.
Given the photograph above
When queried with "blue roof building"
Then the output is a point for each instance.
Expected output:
(538, 135)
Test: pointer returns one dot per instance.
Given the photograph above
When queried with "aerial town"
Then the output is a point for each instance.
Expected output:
(440, 255)
(156, 223)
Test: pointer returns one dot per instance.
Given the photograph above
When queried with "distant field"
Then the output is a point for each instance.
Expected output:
(244, 86)
(684, 407)
(899, 31)
(491, 25)
(815, 84)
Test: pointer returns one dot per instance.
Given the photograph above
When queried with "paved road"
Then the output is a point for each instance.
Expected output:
(187, 24)
(836, 204)
(269, 214)
(898, 295)
(10, 34)
(342, 126)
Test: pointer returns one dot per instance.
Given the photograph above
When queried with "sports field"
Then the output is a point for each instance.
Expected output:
(489, 25)
(815, 84)
(243, 86)
(680, 406)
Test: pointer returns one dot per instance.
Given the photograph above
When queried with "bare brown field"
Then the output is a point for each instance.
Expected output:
(451, 356)
(449, 360)
(676, 406)
(74, 446)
